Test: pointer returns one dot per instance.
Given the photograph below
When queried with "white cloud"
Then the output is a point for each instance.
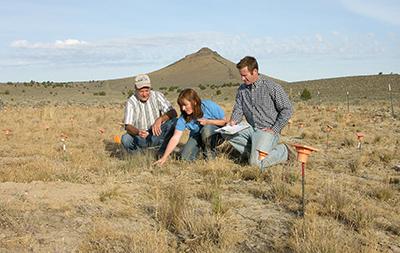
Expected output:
(20, 44)
(384, 10)
(319, 38)
(68, 43)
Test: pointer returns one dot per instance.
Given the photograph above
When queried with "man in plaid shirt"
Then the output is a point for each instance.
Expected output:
(266, 107)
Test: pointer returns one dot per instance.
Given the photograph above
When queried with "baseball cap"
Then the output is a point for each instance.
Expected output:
(141, 81)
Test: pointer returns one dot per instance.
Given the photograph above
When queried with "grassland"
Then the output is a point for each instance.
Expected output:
(94, 198)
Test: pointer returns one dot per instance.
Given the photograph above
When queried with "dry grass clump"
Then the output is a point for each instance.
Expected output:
(277, 185)
(206, 192)
(358, 218)
(104, 237)
(28, 169)
(213, 193)
(393, 227)
(172, 203)
(382, 192)
(17, 228)
(112, 193)
(334, 200)
(9, 220)
(250, 174)
(212, 169)
(315, 234)
(375, 159)
(355, 164)
(196, 228)
(278, 191)
(348, 209)
(19, 243)
(136, 163)
(348, 142)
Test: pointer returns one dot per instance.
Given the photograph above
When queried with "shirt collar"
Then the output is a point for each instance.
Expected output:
(255, 84)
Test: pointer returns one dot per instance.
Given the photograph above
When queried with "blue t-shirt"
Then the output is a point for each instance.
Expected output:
(210, 111)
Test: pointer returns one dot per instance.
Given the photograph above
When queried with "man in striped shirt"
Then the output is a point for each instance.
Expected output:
(149, 118)
(267, 109)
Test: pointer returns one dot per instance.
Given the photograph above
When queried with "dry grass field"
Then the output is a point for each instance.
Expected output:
(91, 197)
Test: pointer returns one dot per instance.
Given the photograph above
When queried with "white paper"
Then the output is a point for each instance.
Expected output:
(232, 129)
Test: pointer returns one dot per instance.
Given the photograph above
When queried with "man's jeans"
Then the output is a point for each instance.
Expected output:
(206, 141)
(136, 143)
(249, 140)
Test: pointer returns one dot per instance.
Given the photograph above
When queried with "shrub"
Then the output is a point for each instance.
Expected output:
(172, 88)
(305, 94)
(130, 93)
(100, 93)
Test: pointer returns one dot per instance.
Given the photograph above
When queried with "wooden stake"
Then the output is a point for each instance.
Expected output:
(391, 101)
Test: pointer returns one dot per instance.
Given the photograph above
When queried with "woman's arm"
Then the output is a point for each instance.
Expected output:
(217, 122)
(173, 142)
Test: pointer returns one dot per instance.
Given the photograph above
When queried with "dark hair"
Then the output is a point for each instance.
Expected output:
(194, 99)
(249, 62)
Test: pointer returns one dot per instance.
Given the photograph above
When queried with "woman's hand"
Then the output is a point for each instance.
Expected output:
(231, 122)
(203, 121)
(161, 161)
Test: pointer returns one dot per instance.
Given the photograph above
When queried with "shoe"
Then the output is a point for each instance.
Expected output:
(176, 150)
(292, 154)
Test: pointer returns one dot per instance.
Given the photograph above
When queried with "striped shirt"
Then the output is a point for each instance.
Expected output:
(143, 114)
(264, 104)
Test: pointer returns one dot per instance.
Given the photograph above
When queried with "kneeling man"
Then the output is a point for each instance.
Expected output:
(267, 109)
(149, 118)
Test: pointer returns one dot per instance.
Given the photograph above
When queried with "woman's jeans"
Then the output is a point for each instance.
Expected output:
(206, 141)
(136, 143)
(251, 139)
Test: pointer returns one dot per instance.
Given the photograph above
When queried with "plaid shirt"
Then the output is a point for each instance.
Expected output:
(264, 105)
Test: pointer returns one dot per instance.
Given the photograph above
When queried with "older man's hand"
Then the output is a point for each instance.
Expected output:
(143, 133)
(156, 128)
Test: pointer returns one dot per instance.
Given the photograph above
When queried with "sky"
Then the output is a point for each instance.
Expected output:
(75, 40)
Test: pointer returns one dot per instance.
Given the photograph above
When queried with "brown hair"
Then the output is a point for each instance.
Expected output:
(249, 62)
(194, 99)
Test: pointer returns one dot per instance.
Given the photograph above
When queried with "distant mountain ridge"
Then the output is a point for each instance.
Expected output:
(202, 67)
(365, 86)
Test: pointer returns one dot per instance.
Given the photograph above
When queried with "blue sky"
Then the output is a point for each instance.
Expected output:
(293, 40)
